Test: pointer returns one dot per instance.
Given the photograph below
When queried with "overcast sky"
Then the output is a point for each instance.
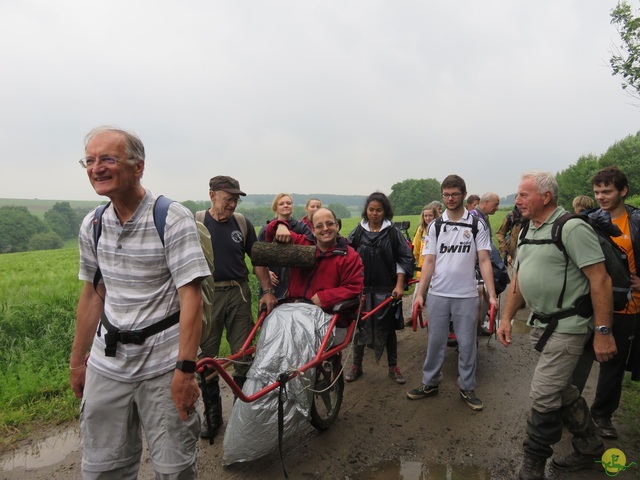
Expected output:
(343, 97)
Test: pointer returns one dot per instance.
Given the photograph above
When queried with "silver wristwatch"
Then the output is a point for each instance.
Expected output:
(603, 329)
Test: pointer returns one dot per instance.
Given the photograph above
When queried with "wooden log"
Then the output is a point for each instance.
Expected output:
(265, 254)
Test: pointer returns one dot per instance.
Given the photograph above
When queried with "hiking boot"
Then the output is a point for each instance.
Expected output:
(575, 461)
(422, 391)
(216, 423)
(396, 376)
(604, 427)
(452, 341)
(470, 398)
(213, 405)
(353, 374)
(532, 468)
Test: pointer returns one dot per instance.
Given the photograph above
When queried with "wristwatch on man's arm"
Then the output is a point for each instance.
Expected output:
(603, 329)
(186, 366)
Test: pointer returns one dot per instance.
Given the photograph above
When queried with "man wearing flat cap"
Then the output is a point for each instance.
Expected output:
(232, 236)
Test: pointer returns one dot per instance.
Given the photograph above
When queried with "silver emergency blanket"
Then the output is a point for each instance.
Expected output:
(290, 337)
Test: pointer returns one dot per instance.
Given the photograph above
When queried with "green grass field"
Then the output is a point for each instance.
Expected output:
(39, 292)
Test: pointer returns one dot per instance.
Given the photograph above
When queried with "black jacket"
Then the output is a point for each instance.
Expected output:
(380, 252)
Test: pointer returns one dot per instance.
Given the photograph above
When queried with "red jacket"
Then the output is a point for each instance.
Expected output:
(337, 276)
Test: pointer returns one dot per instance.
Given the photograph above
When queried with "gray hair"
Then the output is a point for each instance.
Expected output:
(489, 197)
(133, 145)
(545, 182)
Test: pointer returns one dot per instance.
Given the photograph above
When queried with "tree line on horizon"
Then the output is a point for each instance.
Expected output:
(21, 230)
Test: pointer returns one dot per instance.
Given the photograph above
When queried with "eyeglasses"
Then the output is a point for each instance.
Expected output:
(90, 162)
(231, 200)
(451, 195)
(320, 226)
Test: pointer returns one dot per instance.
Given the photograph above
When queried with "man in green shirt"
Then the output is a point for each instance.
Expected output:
(540, 277)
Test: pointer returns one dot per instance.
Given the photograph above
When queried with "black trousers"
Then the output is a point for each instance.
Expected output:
(609, 389)
(391, 346)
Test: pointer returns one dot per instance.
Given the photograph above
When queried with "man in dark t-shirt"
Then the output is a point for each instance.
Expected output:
(232, 236)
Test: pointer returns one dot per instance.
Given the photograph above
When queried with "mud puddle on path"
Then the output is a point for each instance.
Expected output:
(44, 453)
(411, 470)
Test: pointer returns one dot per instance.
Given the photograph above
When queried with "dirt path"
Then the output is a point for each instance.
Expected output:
(381, 434)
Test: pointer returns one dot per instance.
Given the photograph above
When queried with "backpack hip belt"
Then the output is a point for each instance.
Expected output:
(551, 322)
(137, 337)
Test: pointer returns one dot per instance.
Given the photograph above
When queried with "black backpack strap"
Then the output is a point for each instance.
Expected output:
(523, 233)
(114, 335)
(97, 231)
(438, 227)
(474, 225)
(552, 324)
(556, 237)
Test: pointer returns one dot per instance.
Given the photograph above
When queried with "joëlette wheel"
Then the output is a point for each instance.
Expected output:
(327, 395)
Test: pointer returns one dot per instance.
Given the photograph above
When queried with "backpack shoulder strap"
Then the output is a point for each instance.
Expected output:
(97, 222)
(200, 214)
(438, 226)
(558, 224)
(160, 210)
(242, 223)
(523, 232)
(474, 225)
(97, 231)
(556, 239)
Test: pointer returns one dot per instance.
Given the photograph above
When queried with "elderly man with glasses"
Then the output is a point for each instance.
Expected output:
(140, 314)
(232, 237)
